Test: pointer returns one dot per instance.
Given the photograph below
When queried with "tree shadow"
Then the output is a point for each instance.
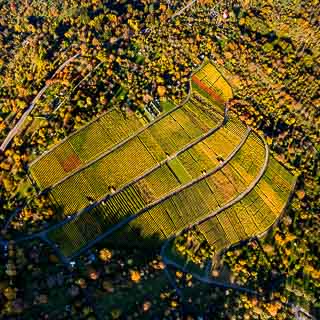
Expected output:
(132, 237)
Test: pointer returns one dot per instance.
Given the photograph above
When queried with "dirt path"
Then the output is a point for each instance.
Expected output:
(188, 5)
(13, 132)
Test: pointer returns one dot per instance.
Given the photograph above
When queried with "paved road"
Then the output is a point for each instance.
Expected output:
(13, 132)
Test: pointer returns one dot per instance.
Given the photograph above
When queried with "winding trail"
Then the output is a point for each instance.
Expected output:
(206, 279)
(44, 233)
(188, 5)
(13, 132)
(161, 200)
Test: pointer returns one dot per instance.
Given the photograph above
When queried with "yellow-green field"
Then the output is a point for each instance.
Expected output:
(185, 168)
(141, 153)
(255, 213)
(83, 146)
(190, 202)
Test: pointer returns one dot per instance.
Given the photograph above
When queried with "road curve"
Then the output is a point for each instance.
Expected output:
(189, 4)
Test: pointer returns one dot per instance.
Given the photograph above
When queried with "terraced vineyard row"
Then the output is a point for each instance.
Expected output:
(93, 222)
(209, 82)
(207, 154)
(83, 146)
(255, 213)
(276, 185)
(134, 158)
(192, 162)
(157, 184)
(103, 177)
(208, 71)
(163, 216)
(250, 158)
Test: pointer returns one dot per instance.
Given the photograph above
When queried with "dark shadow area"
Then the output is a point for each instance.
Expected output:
(132, 238)
(36, 21)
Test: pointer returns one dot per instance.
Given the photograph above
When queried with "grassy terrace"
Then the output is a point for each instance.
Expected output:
(142, 152)
(155, 181)
(152, 188)
(255, 213)
(83, 146)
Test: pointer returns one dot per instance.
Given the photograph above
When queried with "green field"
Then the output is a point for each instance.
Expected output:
(83, 146)
(166, 216)
(141, 153)
(173, 173)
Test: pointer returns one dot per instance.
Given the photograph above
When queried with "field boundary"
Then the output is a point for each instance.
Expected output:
(44, 234)
(137, 179)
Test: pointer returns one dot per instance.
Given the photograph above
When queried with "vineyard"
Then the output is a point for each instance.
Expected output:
(154, 185)
(83, 146)
(139, 179)
(255, 213)
(209, 82)
(144, 184)
(163, 208)
(141, 153)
